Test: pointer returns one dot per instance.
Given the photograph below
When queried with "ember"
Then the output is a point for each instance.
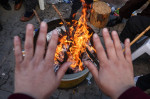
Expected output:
(73, 49)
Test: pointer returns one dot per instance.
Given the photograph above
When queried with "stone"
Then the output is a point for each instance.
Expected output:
(4, 94)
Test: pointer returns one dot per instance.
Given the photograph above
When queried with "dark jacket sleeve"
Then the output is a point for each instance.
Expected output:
(134, 93)
(130, 7)
(19, 96)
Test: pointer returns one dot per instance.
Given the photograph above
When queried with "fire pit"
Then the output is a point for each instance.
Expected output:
(74, 78)
(74, 45)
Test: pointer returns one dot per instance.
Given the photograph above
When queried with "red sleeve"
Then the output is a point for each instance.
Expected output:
(19, 96)
(134, 93)
(130, 7)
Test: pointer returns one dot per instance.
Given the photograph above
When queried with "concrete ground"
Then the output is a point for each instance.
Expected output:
(12, 26)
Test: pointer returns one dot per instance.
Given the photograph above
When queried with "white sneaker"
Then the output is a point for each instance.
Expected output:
(54, 1)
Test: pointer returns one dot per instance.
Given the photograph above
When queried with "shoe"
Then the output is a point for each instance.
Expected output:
(54, 1)
(18, 4)
(6, 6)
(1, 28)
(27, 16)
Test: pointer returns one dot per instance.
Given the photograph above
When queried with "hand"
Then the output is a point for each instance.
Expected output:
(34, 74)
(116, 70)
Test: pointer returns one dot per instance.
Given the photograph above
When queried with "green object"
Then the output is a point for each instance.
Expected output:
(117, 11)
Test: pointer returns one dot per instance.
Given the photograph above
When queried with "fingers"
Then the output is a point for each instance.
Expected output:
(40, 45)
(62, 70)
(92, 69)
(117, 45)
(99, 49)
(18, 52)
(52, 48)
(128, 51)
(29, 42)
(109, 44)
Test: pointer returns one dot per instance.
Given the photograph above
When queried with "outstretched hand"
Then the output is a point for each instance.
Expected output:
(116, 70)
(34, 73)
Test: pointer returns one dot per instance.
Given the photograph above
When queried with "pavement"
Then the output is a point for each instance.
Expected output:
(12, 26)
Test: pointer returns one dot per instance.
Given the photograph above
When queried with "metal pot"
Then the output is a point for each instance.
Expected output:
(72, 80)
(69, 80)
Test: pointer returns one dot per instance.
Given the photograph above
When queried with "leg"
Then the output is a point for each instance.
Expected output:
(75, 7)
(1, 28)
(29, 6)
(88, 2)
(5, 4)
(17, 1)
(134, 26)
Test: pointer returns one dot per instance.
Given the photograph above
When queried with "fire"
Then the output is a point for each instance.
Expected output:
(75, 46)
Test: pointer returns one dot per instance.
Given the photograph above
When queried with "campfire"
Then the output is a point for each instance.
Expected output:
(74, 43)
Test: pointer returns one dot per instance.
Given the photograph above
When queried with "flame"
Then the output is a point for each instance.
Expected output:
(79, 38)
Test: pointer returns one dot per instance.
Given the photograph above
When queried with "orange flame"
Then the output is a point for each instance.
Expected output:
(79, 38)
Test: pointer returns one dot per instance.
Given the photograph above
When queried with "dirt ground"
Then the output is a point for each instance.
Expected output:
(12, 26)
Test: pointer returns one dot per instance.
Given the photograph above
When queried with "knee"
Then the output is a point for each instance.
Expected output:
(135, 20)
(132, 21)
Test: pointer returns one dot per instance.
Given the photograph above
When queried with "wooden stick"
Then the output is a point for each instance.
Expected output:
(65, 23)
(37, 17)
(139, 36)
(60, 15)
(92, 58)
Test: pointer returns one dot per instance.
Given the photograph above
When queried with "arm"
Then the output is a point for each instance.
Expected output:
(130, 7)
(34, 73)
(116, 69)
(115, 76)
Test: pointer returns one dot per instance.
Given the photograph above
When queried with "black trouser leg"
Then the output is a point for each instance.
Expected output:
(1, 27)
(144, 82)
(30, 5)
(134, 26)
(4, 1)
(88, 2)
(17, 1)
(75, 7)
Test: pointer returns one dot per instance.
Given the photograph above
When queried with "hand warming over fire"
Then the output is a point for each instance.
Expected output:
(34, 73)
(116, 70)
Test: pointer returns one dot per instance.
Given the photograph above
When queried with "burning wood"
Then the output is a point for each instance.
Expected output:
(74, 49)
(65, 23)
(92, 58)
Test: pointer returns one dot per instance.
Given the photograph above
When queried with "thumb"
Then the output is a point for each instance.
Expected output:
(62, 70)
(92, 69)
